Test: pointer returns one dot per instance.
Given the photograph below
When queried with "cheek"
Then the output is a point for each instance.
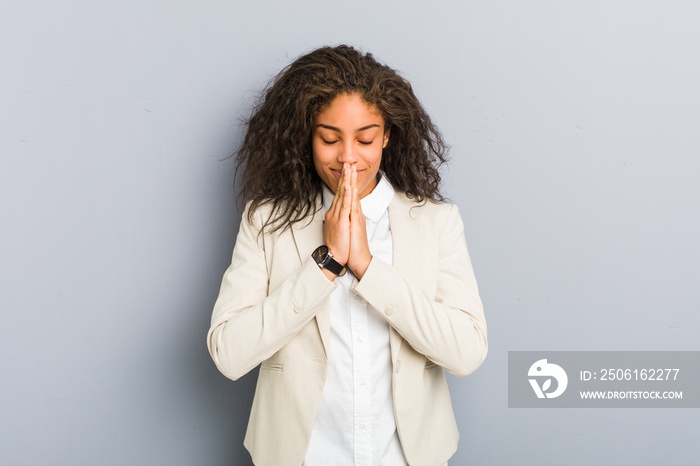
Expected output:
(373, 158)
(322, 160)
(322, 155)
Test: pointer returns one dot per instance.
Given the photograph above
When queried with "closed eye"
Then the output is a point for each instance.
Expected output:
(329, 142)
(366, 143)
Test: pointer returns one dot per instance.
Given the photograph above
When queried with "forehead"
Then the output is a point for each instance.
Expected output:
(348, 108)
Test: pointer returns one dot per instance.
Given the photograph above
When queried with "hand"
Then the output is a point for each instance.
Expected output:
(359, 254)
(336, 230)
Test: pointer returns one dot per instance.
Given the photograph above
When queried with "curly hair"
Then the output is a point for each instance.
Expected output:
(276, 156)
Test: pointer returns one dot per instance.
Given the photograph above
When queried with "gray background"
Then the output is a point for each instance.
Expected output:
(574, 134)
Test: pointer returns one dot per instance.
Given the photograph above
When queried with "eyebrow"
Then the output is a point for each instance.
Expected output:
(337, 130)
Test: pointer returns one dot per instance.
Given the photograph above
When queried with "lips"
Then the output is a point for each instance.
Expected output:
(339, 171)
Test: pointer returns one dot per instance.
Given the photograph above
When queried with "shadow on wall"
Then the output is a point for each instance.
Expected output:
(225, 404)
(221, 405)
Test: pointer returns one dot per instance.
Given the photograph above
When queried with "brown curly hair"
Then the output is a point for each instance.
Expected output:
(276, 157)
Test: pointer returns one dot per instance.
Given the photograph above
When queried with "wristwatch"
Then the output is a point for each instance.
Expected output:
(324, 259)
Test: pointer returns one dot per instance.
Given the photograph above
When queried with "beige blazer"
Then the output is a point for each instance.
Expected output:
(273, 311)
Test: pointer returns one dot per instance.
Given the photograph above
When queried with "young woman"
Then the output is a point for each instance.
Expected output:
(350, 285)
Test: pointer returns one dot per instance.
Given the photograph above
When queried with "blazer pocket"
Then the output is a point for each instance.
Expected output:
(271, 367)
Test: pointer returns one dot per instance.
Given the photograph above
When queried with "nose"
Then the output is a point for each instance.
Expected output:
(347, 153)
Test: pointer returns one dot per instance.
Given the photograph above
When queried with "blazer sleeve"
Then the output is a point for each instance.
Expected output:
(250, 322)
(448, 328)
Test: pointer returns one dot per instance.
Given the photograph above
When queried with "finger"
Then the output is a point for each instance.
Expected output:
(334, 202)
(337, 203)
(339, 187)
(353, 187)
(347, 200)
(347, 174)
(358, 204)
(347, 197)
(343, 184)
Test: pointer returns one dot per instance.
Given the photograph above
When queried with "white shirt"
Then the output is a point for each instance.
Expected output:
(355, 423)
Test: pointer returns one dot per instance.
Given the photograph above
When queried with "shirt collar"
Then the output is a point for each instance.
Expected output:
(373, 205)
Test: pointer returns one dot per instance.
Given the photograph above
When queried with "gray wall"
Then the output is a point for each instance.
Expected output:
(574, 129)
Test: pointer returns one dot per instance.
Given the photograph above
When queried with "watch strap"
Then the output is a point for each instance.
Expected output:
(334, 266)
(324, 259)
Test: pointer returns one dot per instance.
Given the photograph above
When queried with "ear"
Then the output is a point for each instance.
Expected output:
(386, 138)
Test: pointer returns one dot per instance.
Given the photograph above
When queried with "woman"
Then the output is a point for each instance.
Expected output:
(350, 284)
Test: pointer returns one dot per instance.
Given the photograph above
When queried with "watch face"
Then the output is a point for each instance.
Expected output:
(320, 254)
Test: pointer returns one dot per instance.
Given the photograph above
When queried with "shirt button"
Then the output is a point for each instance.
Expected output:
(388, 311)
(362, 427)
(398, 365)
(297, 309)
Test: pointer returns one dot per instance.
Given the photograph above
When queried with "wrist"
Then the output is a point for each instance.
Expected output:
(329, 275)
(340, 259)
(361, 267)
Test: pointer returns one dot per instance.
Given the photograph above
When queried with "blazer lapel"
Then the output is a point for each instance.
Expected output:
(308, 235)
(405, 237)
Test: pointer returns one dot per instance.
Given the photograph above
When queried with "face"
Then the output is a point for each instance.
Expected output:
(349, 131)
